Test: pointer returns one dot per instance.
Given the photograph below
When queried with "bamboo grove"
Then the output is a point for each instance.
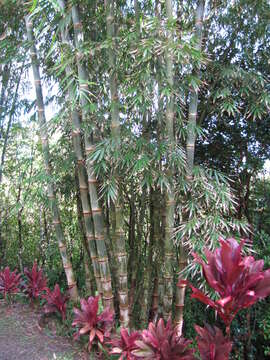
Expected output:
(135, 91)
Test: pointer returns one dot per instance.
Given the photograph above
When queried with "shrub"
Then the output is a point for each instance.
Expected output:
(36, 283)
(239, 281)
(125, 344)
(98, 326)
(161, 342)
(56, 302)
(9, 282)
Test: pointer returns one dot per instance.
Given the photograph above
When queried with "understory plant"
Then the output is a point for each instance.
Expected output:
(161, 342)
(36, 284)
(9, 282)
(56, 302)
(88, 321)
(238, 281)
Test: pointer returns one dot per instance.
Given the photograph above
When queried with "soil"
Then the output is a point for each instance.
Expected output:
(22, 338)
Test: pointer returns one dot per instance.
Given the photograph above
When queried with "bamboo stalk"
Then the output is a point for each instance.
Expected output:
(98, 217)
(170, 197)
(190, 150)
(80, 158)
(46, 155)
(115, 130)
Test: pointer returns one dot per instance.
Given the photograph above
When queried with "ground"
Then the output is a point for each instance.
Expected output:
(22, 338)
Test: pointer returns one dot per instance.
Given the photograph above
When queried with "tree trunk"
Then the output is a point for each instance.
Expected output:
(46, 155)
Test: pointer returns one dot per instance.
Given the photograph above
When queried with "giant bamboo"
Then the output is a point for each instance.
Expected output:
(170, 197)
(190, 149)
(115, 130)
(80, 158)
(46, 156)
(97, 212)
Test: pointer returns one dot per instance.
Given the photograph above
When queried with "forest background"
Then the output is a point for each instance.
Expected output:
(151, 143)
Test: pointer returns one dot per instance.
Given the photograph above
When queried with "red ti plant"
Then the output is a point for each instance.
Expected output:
(36, 282)
(160, 342)
(9, 281)
(56, 302)
(125, 344)
(212, 344)
(239, 281)
(98, 326)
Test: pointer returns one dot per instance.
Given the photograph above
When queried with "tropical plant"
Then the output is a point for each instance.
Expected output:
(125, 344)
(239, 281)
(36, 283)
(88, 321)
(56, 301)
(212, 344)
(9, 282)
(160, 342)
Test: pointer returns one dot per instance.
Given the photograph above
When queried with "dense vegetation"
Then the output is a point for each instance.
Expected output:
(134, 134)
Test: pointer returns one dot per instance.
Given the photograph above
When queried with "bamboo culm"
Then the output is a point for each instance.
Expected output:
(46, 156)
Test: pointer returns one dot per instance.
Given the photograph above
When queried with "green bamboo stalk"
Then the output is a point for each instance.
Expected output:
(46, 155)
(98, 217)
(115, 130)
(190, 149)
(170, 197)
(80, 159)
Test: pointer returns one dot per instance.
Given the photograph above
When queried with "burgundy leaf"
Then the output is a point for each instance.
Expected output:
(212, 344)
(56, 301)
(9, 281)
(161, 342)
(87, 320)
(125, 344)
(36, 282)
(239, 281)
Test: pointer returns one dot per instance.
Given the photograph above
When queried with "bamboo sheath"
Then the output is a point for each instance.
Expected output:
(46, 155)
(97, 213)
(80, 158)
(190, 150)
(115, 130)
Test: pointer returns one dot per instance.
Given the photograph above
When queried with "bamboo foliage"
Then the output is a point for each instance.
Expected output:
(46, 155)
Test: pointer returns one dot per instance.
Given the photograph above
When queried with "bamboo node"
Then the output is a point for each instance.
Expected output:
(123, 254)
(70, 286)
(84, 85)
(57, 222)
(115, 125)
(103, 260)
(106, 280)
(87, 213)
(90, 237)
(97, 210)
(100, 237)
(78, 25)
(40, 110)
(75, 132)
(90, 181)
(90, 148)
(66, 267)
(107, 298)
